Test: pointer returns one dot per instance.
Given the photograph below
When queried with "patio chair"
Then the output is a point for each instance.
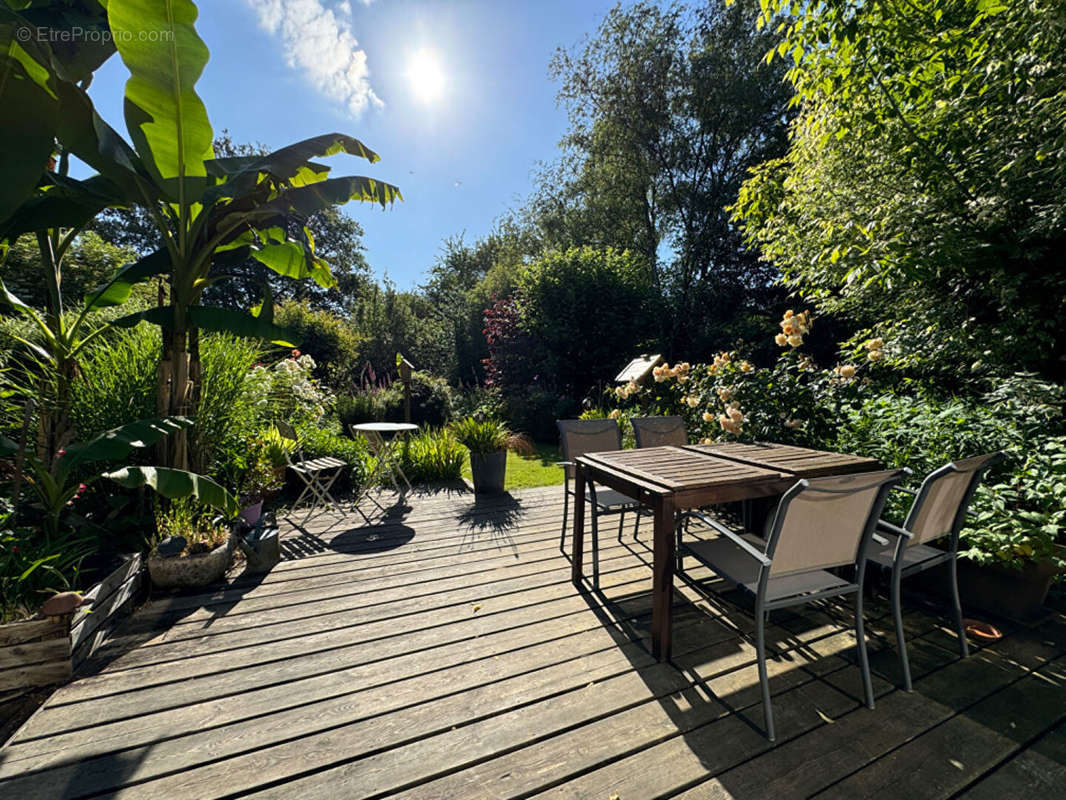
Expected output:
(939, 510)
(577, 437)
(820, 523)
(659, 431)
(317, 474)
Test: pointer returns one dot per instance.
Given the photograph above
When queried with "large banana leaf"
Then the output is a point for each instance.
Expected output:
(79, 36)
(177, 483)
(166, 119)
(119, 442)
(219, 320)
(31, 112)
(66, 203)
(307, 200)
(99, 145)
(117, 291)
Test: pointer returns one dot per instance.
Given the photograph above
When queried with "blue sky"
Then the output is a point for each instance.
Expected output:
(284, 70)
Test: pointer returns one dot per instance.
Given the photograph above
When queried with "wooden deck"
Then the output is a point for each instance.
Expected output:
(447, 655)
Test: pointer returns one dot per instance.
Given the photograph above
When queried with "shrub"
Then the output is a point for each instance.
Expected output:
(228, 408)
(535, 411)
(432, 455)
(329, 340)
(325, 439)
(431, 400)
(488, 436)
(366, 406)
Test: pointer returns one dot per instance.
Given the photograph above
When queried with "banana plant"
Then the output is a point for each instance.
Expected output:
(56, 484)
(209, 211)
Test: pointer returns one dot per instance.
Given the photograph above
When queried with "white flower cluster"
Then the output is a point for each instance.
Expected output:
(289, 389)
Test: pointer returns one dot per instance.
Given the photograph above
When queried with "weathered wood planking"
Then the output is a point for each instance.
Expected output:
(112, 598)
(470, 677)
(34, 653)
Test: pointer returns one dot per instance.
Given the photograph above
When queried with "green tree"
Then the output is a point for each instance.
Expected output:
(590, 311)
(922, 193)
(669, 108)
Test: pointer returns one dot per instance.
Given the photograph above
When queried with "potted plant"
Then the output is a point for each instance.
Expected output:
(193, 548)
(488, 442)
(260, 481)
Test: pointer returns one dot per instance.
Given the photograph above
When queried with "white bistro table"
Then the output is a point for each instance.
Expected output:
(383, 438)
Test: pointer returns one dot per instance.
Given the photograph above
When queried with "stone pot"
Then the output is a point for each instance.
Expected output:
(489, 471)
(181, 572)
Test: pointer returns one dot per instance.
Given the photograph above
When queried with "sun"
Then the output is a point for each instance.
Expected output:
(426, 76)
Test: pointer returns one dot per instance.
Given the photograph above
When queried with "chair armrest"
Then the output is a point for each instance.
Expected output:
(881, 540)
(564, 463)
(738, 540)
(905, 490)
(888, 527)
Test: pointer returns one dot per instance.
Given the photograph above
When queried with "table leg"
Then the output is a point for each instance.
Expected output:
(662, 578)
(578, 538)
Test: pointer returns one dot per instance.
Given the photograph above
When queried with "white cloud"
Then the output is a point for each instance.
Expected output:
(321, 45)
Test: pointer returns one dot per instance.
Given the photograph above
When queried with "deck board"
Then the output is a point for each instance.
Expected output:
(445, 654)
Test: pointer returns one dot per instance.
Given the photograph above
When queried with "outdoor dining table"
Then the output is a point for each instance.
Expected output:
(671, 479)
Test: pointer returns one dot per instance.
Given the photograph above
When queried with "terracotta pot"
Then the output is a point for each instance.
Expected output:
(489, 471)
(179, 572)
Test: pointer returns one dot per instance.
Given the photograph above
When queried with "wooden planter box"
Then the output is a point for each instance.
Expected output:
(40, 652)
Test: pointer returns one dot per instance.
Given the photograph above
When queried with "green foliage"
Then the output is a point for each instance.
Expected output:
(669, 108)
(228, 408)
(394, 322)
(117, 382)
(432, 454)
(89, 262)
(922, 191)
(589, 311)
(487, 436)
(328, 339)
(364, 406)
(32, 567)
(188, 519)
(535, 411)
(1023, 517)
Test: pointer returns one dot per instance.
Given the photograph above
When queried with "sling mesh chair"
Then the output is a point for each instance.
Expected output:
(939, 510)
(659, 431)
(577, 437)
(819, 524)
(317, 474)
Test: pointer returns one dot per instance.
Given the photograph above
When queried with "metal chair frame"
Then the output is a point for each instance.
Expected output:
(903, 537)
(310, 472)
(598, 509)
(764, 559)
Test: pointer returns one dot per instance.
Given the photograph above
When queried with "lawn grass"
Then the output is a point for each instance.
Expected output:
(525, 472)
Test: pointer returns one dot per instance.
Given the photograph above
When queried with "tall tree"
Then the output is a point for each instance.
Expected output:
(669, 109)
(922, 193)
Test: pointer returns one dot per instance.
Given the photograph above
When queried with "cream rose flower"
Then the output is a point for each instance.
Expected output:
(847, 371)
(795, 340)
(781, 339)
(875, 355)
(614, 414)
(708, 416)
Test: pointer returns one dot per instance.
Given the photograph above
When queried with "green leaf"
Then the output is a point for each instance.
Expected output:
(166, 119)
(219, 320)
(119, 442)
(292, 260)
(176, 483)
(31, 116)
(308, 200)
(67, 203)
(117, 290)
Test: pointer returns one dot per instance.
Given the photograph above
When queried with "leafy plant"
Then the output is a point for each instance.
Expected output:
(200, 528)
(432, 454)
(488, 436)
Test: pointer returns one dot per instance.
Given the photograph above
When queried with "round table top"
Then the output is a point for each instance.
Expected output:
(385, 427)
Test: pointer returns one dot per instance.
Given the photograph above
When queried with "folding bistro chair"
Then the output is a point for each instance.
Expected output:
(659, 431)
(577, 437)
(939, 510)
(819, 524)
(317, 474)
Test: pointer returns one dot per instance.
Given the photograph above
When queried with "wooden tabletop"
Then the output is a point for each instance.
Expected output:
(800, 462)
(677, 468)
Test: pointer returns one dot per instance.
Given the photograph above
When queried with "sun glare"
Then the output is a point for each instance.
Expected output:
(426, 77)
